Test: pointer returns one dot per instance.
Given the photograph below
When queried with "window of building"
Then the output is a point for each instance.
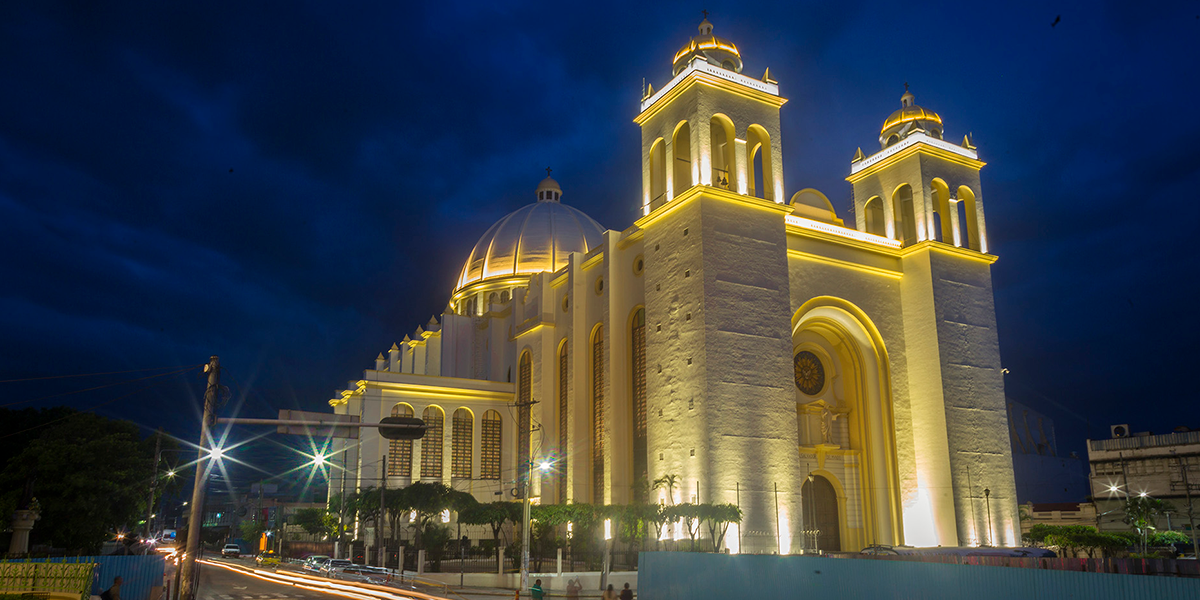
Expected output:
(598, 416)
(563, 438)
(431, 444)
(489, 446)
(460, 454)
(638, 359)
(400, 451)
(524, 401)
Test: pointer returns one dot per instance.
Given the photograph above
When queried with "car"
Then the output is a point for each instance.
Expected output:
(231, 551)
(267, 559)
(328, 567)
(313, 563)
(361, 573)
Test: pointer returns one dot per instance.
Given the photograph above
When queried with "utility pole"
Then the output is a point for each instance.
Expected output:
(187, 585)
(525, 526)
(153, 484)
(382, 504)
(1187, 492)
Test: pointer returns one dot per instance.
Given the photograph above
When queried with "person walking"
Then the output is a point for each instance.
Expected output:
(609, 594)
(114, 592)
(536, 591)
(626, 594)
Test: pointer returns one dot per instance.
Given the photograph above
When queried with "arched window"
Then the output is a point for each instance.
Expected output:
(524, 401)
(638, 393)
(758, 163)
(902, 212)
(681, 150)
(563, 430)
(943, 221)
(968, 222)
(489, 446)
(431, 443)
(400, 451)
(658, 172)
(721, 147)
(873, 210)
(598, 416)
(460, 450)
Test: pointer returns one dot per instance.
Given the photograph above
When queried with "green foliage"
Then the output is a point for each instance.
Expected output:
(1141, 514)
(669, 482)
(312, 520)
(252, 530)
(717, 517)
(90, 473)
(1166, 538)
(1072, 539)
(495, 514)
(690, 514)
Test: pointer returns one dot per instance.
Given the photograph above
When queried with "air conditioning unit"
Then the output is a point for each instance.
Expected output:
(1120, 431)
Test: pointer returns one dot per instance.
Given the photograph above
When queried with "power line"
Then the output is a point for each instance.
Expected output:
(100, 387)
(86, 374)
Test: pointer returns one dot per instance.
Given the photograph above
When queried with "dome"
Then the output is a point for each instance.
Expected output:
(531, 239)
(908, 119)
(715, 50)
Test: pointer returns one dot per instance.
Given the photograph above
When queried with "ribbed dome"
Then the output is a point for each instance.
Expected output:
(715, 50)
(921, 119)
(531, 239)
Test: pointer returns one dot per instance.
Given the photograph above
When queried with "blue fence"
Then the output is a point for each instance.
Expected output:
(688, 576)
(138, 573)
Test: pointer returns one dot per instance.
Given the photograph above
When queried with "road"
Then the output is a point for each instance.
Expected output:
(217, 583)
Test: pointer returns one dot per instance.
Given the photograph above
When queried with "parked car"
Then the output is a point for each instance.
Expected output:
(267, 559)
(361, 573)
(231, 551)
(328, 567)
(313, 563)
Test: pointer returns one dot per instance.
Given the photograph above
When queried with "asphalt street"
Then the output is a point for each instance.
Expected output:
(217, 583)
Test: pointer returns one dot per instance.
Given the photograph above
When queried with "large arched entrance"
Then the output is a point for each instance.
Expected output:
(821, 523)
(845, 427)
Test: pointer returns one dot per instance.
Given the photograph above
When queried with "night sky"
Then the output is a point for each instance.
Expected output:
(294, 186)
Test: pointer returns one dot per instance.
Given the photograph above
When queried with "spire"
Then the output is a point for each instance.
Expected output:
(907, 99)
(705, 26)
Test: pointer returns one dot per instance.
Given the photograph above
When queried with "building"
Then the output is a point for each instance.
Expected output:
(1042, 474)
(1163, 466)
(834, 376)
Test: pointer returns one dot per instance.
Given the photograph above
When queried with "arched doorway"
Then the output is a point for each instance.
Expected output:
(821, 522)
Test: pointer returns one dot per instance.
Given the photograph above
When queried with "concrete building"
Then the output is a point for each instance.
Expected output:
(1043, 475)
(1163, 466)
(837, 379)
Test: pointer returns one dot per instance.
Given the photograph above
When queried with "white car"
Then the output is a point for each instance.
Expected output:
(313, 563)
(231, 551)
(329, 566)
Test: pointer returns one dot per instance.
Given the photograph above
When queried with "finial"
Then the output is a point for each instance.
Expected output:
(906, 86)
(705, 26)
(705, 13)
(548, 169)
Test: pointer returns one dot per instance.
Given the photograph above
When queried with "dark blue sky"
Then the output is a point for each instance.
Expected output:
(294, 186)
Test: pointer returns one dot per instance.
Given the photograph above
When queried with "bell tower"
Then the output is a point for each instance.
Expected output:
(718, 341)
(918, 186)
(711, 125)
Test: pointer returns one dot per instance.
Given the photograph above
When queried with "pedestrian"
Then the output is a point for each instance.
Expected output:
(609, 594)
(573, 587)
(626, 594)
(114, 592)
(536, 591)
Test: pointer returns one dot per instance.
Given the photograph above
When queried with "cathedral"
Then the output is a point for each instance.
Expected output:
(836, 377)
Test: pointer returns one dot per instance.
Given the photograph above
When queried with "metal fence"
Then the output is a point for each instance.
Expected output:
(139, 574)
(40, 578)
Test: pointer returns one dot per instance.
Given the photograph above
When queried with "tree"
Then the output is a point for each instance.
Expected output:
(717, 518)
(89, 473)
(690, 515)
(429, 501)
(495, 514)
(252, 530)
(1141, 514)
(670, 482)
(312, 520)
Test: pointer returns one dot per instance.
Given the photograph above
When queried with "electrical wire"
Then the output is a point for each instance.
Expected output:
(100, 387)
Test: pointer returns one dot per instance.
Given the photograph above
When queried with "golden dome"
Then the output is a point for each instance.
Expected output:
(717, 51)
(535, 238)
(910, 113)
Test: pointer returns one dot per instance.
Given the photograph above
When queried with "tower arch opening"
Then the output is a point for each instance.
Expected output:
(968, 219)
(942, 228)
(876, 222)
(658, 172)
(759, 165)
(721, 147)
(681, 151)
(904, 216)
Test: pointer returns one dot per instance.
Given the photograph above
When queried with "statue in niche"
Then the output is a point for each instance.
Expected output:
(827, 419)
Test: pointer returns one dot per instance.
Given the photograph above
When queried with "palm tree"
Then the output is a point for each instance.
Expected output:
(669, 482)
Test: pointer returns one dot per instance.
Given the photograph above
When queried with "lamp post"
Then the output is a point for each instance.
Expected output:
(525, 518)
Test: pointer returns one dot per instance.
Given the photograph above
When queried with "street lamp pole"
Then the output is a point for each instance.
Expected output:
(187, 584)
(153, 485)
(987, 503)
